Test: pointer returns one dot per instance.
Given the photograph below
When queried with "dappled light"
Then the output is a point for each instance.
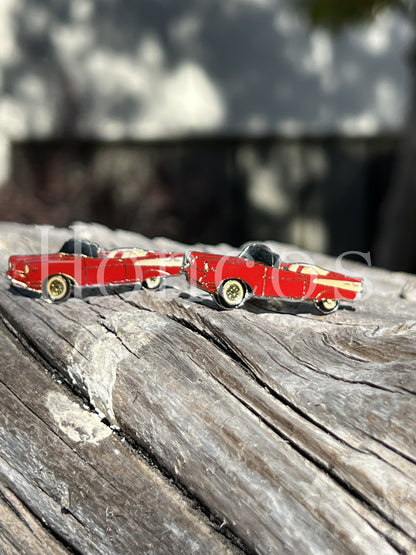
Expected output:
(250, 77)
(122, 70)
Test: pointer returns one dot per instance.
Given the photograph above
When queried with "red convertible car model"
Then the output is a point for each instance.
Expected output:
(259, 272)
(81, 263)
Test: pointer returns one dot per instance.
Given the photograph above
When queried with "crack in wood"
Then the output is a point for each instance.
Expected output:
(219, 526)
(37, 527)
(307, 455)
(7, 501)
(138, 450)
(346, 485)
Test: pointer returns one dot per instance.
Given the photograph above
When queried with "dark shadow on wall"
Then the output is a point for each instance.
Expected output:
(186, 191)
(209, 190)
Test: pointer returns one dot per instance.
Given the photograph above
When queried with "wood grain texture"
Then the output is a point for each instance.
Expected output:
(275, 429)
(91, 488)
(21, 532)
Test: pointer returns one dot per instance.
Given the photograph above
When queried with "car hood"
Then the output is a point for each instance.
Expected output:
(36, 258)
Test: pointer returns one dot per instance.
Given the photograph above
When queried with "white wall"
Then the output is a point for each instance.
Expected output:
(114, 69)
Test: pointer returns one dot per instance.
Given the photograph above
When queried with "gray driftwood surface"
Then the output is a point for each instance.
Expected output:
(151, 422)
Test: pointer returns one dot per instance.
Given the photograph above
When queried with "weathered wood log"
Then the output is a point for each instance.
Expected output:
(79, 478)
(151, 421)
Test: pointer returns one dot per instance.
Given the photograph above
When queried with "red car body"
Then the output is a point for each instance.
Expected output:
(83, 264)
(259, 272)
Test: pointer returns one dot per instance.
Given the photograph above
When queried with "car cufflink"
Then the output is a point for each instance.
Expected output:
(259, 272)
(81, 263)
(256, 272)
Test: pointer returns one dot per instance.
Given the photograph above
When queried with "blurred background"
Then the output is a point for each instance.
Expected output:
(213, 120)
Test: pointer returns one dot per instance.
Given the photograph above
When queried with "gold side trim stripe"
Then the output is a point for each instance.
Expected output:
(166, 262)
(126, 253)
(339, 283)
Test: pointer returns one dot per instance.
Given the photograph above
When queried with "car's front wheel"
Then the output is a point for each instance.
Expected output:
(231, 293)
(57, 289)
(153, 283)
(327, 305)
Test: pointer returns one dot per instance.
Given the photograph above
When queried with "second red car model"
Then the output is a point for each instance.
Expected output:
(81, 263)
(258, 271)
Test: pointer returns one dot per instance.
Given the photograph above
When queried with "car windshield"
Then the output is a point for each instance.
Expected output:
(261, 254)
(80, 246)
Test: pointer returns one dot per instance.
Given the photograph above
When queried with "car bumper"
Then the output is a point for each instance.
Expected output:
(21, 284)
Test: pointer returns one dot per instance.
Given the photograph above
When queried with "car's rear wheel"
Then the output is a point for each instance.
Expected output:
(327, 305)
(231, 293)
(153, 283)
(57, 289)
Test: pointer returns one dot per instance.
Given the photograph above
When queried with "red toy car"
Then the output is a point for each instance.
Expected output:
(81, 263)
(259, 272)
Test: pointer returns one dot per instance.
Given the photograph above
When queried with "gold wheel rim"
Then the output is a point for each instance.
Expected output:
(56, 288)
(153, 282)
(233, 292)
(329, 303)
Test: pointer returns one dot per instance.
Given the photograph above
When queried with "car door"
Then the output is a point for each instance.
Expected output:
(104, 271)
(282, 282)
(134, 270)
(90, 268)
